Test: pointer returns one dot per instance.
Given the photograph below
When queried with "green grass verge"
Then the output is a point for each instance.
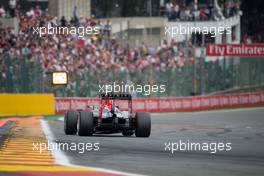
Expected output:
(4, 117)
(53, 116)
(26, 116)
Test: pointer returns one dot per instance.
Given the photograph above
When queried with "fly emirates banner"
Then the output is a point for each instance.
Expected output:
(244, 50)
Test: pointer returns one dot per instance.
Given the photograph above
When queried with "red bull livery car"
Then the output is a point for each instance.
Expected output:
(108, 118)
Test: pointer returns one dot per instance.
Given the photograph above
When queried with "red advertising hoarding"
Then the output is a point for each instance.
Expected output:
(171, 104)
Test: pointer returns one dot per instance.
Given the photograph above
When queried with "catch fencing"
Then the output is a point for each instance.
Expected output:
(26, 74)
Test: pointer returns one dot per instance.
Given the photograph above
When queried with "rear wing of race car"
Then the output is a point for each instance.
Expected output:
(116, 96)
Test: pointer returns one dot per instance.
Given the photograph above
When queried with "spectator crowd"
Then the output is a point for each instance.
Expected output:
(199, 12)
(63, 52)
(88, 55)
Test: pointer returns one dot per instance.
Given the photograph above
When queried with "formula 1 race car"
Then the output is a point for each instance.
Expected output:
(108, 118)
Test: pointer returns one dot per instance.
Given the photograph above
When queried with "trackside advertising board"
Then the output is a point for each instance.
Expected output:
(171, 104)
(239, 50)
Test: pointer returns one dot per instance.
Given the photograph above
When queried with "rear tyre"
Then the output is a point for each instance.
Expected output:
(143, 124)
(70, 122)
(86, 126)
(128, 133)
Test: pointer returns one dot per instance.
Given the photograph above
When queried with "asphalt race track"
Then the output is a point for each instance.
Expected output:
(244, 128)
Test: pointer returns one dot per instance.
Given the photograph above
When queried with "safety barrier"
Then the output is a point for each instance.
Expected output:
(26, 104)
(194, 103)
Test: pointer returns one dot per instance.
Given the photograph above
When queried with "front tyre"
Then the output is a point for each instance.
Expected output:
(143, 124)
(70, 122)
(86, 126)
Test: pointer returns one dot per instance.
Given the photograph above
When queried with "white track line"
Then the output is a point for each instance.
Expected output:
(62, 159)
(61, 118)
